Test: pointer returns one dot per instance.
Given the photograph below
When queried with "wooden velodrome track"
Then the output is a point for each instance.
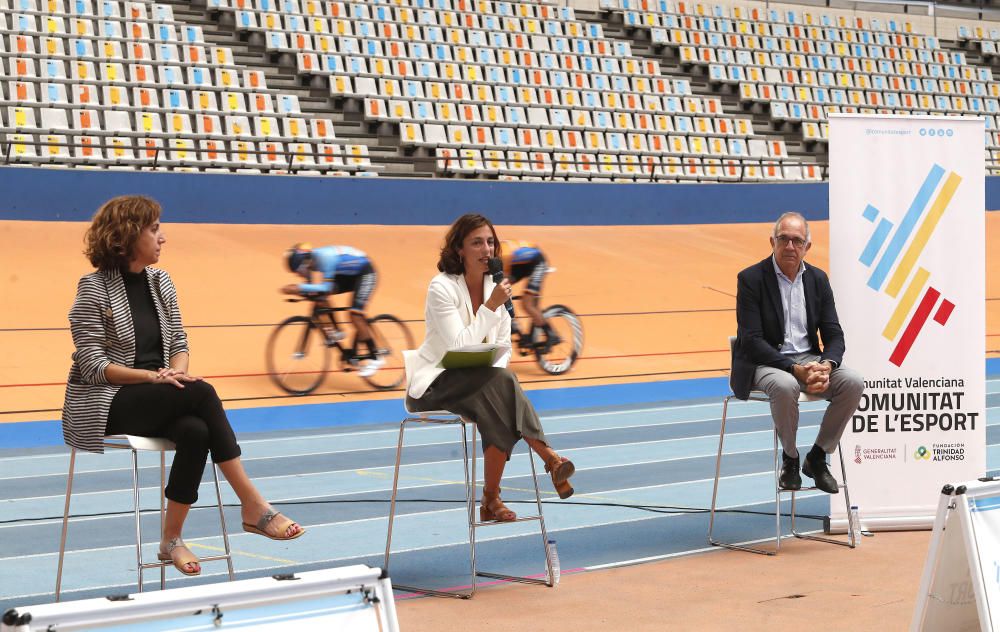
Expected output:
(657, 301)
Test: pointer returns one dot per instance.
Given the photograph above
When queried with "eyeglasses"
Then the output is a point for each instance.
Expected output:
(784, 240)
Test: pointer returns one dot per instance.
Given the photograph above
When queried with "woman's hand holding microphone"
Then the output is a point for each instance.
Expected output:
(501, 294)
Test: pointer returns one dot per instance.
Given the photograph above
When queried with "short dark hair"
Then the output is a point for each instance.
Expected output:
(115, 229)
(449, 261)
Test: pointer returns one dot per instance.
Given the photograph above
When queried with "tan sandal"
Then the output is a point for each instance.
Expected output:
(265, 519)
(494, 509)
(561, 469)
(179, 561)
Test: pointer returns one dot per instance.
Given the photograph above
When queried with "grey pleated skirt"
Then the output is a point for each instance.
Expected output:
(492, 398)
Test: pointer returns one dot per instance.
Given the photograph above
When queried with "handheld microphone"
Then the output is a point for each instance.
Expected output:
(496, 269)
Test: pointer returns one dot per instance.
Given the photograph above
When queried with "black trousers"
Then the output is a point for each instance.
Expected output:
(192, 417)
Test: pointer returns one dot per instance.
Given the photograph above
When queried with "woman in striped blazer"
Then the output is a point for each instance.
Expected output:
(130, 374)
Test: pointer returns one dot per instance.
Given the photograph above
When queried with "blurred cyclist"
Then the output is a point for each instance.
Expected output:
(342, 269)
(524, 260)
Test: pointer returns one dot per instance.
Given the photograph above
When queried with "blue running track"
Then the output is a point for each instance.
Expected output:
(336, 480)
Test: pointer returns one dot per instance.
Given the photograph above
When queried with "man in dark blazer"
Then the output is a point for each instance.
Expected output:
(784, 309)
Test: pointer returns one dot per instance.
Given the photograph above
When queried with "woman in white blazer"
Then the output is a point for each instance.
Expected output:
(464, 306)
(130, 374)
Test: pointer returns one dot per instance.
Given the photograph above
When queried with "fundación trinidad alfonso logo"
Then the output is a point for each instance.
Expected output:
(900, 256)
(922, 453)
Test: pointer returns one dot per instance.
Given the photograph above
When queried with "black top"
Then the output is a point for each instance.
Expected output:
(148, 341)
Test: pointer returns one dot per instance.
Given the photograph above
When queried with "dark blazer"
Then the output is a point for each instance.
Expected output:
(761, 322)
(101, 324)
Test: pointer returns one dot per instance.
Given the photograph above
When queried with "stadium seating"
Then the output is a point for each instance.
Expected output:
(499, 78)
(124, 84)
(802, 65)
(472, 88)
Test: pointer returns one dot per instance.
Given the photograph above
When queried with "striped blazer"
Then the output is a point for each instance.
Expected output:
(101, 324)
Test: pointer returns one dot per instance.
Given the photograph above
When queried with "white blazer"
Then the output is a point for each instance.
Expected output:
(451, 324)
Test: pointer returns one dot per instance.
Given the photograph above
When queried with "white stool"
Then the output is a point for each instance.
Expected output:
(760, 396)
(136, 444)
(445, 417)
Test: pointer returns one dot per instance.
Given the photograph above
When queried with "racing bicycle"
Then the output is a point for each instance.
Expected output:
(554, 354)
(300, 348)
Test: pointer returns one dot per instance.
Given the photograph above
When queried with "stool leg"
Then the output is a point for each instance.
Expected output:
(471, 488)
(718, 469)
(541, 521)
(850, 543)
(792, 514)
(540, 517)
(847, 497)
(715, 491)
(470, 466)
(163, 502)
(65, 522)
(392, 513)
(392, 499)
(222, 521)
(138, 524)
(777, 496)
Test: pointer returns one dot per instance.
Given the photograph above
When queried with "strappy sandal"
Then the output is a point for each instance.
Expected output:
(265, 519)
(166, 554)
(494, 509)
(561, 469)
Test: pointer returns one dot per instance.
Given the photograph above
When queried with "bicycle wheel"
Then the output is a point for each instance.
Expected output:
(557, 354)
(297, 355)
(392, 337)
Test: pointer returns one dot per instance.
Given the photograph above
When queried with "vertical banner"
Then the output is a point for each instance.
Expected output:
(907, 264)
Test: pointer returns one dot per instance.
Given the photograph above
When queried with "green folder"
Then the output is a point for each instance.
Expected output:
(471, 357)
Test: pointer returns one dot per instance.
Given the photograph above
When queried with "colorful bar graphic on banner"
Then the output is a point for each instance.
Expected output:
(923, 234)
(903, 232)
(905, 304)
(921, 227)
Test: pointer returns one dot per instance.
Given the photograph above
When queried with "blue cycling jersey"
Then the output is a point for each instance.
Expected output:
(524, 254)
(334, 261)
(517, 252)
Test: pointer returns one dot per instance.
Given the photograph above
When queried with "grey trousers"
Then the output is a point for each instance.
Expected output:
(490, 397)
(843, 393)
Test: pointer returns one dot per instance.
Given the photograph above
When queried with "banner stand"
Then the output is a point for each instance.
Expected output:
(908, 270)
(960, 583)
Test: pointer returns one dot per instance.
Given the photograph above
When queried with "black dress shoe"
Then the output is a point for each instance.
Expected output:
(789, 477)
(819, 471)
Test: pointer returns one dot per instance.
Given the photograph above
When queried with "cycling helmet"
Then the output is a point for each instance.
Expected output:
(298, 255)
